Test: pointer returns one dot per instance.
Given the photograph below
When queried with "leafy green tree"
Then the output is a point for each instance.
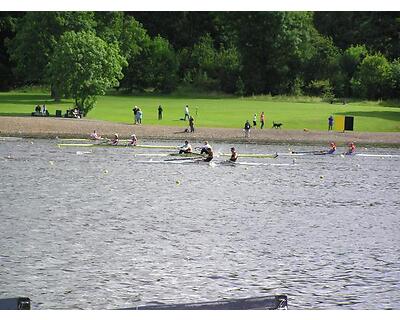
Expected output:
(372, 79)
(395, 78)
(37, 34)
(349, 62)
(155, 67)
(323, 67)
(83, 66)
(273, 47)
(378, 31)
(7, 31)
(118, 27)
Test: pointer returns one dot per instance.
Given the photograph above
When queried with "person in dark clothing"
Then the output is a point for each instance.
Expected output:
(210, 155)
(330, 123)
(247, 129)
(160, 112)
(135, 110)
(191, 124)
(234, 155)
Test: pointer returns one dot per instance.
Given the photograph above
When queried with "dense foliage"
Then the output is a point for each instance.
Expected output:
(328, 54)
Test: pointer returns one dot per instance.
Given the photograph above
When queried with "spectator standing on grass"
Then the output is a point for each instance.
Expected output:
(187, 114)
(255, 120)
(139, 115)
(135, 109)
(330, 123)
(160, 112)
(262, 119)
(247, 129)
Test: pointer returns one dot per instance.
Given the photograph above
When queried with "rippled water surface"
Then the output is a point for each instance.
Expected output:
(102, 228)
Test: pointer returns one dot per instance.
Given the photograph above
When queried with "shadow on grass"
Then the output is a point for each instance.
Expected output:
(387, 115)
(26, 99)
(14, 114)
(390, 103)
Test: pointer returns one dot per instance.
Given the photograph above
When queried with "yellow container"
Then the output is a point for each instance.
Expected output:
(339, 123)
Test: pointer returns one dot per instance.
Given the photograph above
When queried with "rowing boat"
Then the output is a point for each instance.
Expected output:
(90, 145)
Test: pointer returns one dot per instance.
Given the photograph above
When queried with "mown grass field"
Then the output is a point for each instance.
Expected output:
(215, 112)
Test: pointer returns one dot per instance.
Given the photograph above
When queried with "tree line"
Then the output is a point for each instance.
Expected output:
(82, 54)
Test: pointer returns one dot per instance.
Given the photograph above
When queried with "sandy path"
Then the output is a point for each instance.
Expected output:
(81, 128)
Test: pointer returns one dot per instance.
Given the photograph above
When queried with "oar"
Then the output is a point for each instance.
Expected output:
(298, 152)
(181, 159)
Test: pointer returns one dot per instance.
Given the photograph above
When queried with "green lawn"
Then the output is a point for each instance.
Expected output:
(214, 112)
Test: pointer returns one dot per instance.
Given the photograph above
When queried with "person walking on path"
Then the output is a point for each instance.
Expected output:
(262, 119)
(160, 112)
(255, 120)
(247, 129)
(191, 124)
(330, 122)
(187, 114)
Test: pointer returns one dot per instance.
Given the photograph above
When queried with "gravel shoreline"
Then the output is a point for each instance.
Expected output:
(36, 127)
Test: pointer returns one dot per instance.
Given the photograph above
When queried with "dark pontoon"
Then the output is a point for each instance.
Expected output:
(258, 303)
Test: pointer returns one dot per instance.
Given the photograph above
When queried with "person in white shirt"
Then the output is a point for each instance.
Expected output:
(187, 114)
(186, 148)
(205, 147)
(95, 136)
(133, 140)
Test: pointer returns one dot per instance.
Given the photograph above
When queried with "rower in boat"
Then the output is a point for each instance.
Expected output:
(95, 136)
(186, 148)
(205, 147)
(352, 148)
(234, 155)
(210, 155)
(114, 141)
(333, 148)
(133, 140)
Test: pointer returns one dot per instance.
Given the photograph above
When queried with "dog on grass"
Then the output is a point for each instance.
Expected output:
(276, 125)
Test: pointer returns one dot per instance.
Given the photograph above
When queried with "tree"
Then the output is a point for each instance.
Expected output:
(83, 66)
(372, 79)
(322, 70)
(349, 62)
(395, 78)
(37, 34)
(273, 47)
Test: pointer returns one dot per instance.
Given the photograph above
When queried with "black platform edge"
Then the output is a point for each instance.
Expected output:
(278, 302)
(20, 303)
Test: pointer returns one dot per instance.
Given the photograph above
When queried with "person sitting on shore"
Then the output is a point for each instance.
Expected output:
(133, 140)
(114, 141)
(95, 136)
(333, 148)
(44, 110)
(186, 148)
(75, 113)
(234, 155)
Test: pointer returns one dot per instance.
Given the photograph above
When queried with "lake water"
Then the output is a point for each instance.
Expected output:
(102, 228)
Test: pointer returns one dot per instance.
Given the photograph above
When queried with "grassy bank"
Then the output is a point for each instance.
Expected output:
(217, 112)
